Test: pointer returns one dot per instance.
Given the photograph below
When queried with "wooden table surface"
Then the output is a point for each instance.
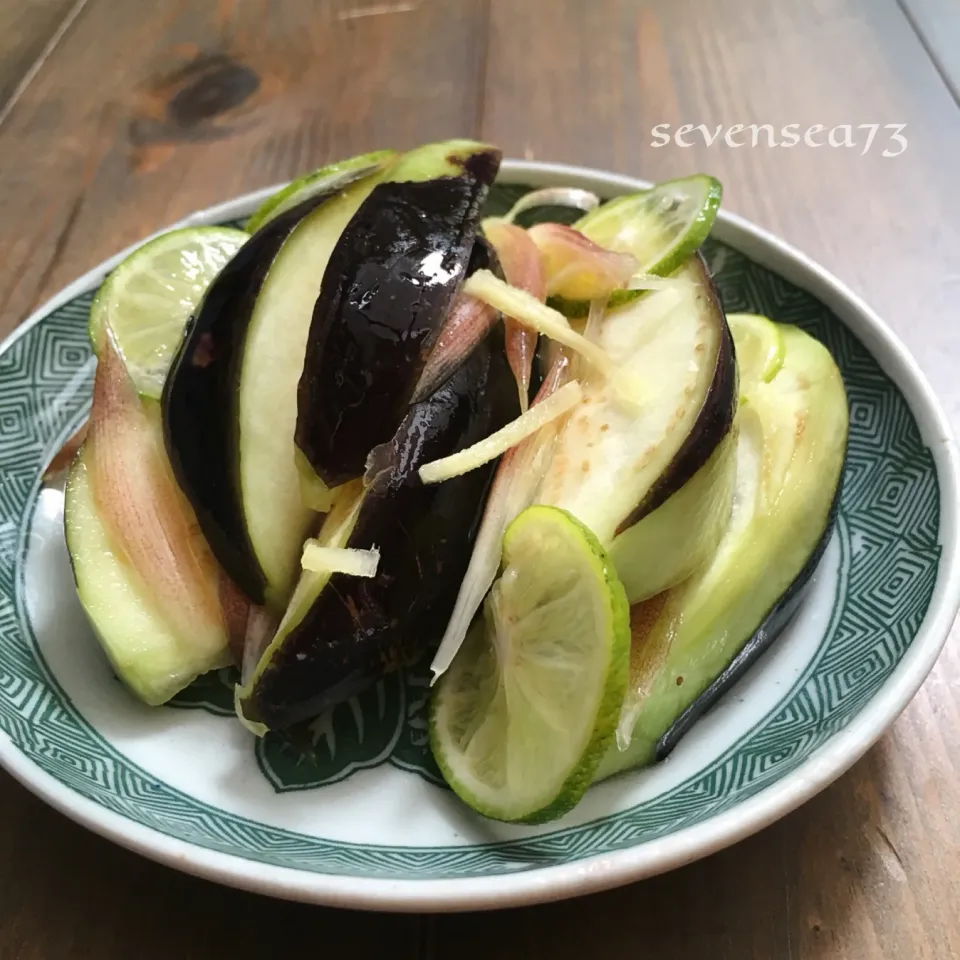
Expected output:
(117, 117)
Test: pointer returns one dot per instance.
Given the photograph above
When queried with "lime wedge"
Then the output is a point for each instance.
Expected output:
(661, 226)
(759, 346)
(529, 706)
(148, 299)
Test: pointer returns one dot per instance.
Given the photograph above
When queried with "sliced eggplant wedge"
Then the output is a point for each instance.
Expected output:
(231, 374)
(773, 624)
(691, 643)
(342, 633)
(316, 183)
(614, 464)
(680, 535)
(386, 292)
(229, 403)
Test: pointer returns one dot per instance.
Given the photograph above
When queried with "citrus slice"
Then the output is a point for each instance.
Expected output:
(661, 227)
(759, 346)
(529, 706)
(148, 299)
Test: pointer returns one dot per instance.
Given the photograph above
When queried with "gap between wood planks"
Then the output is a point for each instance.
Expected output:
(378, 10)
(936, 59)
(44, 55)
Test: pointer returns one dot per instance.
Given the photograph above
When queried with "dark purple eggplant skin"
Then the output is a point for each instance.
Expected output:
(199, 402)
(771, 627)
(713, 422)
(359, 629)
(386, 292)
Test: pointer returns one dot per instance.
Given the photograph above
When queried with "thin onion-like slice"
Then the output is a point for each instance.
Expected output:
(537, 316)
(572, 197)
(353, 562)
(518, 476)
(576, 267)
(591, 330)
(523, 268)
(504, 439)
(261, 628)
(150, 523)
(252, 726)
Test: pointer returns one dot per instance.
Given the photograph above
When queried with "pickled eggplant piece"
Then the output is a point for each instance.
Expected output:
(317, 182)
(614, 464)
(200, 395)
(774, 623)
(386, 292)
(692, 643)
(715, 416)
(342, 633)
(679, 536)
(223, 401)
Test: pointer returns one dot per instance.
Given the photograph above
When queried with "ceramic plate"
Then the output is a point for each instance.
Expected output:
(370, 823)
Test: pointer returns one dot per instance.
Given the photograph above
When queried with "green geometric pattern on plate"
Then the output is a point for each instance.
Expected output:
(387, 724)
(213, 692)
(888, 536)
(355, 735)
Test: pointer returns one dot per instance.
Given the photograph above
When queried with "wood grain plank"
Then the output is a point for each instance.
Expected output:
(868, 869)
(937, 22)
(594, 84)
(150, 113)
(66, 893)
(849, 876)
(27, 28)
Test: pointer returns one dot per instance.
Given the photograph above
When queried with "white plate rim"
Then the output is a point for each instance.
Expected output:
(603, 871)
